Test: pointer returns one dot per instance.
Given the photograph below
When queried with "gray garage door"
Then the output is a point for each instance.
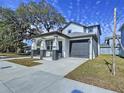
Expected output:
(79, 48)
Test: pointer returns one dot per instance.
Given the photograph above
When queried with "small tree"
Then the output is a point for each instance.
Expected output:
(113, 49)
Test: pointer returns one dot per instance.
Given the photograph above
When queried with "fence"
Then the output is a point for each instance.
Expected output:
(108, 50)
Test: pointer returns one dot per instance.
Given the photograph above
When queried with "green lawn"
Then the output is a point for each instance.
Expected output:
(98, 72)
(25, 61)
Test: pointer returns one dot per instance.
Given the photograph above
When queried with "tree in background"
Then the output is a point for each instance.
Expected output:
(7, 32)
(41, 16)
(26, 21)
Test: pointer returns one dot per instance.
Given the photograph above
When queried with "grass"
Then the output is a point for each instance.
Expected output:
(10, 54)
(25, 61)
(98, 72)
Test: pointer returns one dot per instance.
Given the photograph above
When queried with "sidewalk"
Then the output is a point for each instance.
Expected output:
(43, 82)
(21, 79)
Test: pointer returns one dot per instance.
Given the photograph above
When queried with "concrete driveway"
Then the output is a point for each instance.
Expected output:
(19, 79)
(60, 67)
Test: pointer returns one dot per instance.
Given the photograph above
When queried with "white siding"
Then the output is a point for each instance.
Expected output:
(95, 49)
(78, 28)
(91, 48)
(65, 47)
(73, 28)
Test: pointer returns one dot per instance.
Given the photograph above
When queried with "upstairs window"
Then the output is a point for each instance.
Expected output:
(90, 30)
(69, 31)
(85, 30)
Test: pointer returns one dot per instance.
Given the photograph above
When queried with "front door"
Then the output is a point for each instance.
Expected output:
(49, 44)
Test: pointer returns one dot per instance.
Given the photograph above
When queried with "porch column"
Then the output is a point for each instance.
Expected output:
(42, 49)
(55, 48)
(33, 47)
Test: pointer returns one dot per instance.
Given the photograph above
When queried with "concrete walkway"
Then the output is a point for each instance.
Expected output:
(20, 79)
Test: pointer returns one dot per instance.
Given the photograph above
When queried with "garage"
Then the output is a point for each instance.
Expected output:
(79, 48)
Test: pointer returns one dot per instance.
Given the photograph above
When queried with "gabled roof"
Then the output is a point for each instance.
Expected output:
(99, 28)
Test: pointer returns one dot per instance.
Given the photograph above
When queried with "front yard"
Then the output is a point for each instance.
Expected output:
(25, 61)
(98, 72)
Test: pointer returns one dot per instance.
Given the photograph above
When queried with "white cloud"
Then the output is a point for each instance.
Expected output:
(98, 2)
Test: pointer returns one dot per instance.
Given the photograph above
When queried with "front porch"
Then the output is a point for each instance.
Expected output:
(51, 47)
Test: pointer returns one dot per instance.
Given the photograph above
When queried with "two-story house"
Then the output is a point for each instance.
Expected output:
(75, 40)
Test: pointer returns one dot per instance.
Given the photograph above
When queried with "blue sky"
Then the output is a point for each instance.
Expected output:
(84, 11)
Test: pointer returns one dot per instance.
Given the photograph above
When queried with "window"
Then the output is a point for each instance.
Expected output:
(69, 31)
(85, 30)
(49, 45)
(90, 30)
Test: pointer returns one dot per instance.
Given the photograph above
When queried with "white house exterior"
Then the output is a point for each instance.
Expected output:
(122, 41)
(74, 40)
(78, 28)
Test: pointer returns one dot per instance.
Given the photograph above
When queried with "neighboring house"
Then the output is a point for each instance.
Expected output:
(106, 48)
(75, 40)
(122, 40)
(109, 40)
